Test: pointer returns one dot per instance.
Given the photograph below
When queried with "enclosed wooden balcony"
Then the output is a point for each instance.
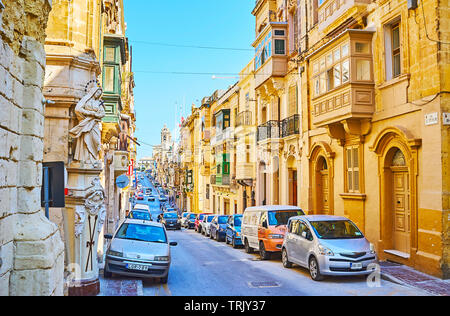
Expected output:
(342, 80)
(333, 13)
(271, 58)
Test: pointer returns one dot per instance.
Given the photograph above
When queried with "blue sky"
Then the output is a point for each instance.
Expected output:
(213, 23)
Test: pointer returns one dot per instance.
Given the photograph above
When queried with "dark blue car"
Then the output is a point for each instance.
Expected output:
(233, 235)
(191, 220)
(218, 228)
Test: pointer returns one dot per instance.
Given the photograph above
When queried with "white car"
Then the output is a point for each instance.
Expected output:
(206, 225)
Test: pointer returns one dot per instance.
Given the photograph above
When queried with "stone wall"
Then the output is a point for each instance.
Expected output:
(31, 251)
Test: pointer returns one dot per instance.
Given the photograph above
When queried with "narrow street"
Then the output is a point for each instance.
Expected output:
(205, 267)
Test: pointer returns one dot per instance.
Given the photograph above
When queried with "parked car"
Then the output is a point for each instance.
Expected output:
(327, 245)
(218, 227)
(144, 207)
(140, 214)
(198, 220)
(205, 225)
(140, 196)
(192, 217)
(171, 220)
(139, 249)
(185, 219)
(233, 235)
(263, 228)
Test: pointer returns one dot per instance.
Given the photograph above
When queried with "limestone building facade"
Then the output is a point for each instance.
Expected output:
(31, 249)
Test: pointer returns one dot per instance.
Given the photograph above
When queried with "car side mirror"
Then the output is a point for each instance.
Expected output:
(173, 243)
(304, 235)
(108, 236)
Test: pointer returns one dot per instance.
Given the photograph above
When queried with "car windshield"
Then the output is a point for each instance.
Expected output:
(170, 215)
(342, 229)
(140, 215)
(210, 218)
(142, 233)
(192, 216)
(281, 217)
(237, 221)
(223, 219)
(185, 214)
(200, 217)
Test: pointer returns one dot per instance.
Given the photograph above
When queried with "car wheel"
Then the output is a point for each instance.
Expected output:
(262, 252)
(248, 249)
(217, 236)
(314, 270)
(233, 243)
(285, 260)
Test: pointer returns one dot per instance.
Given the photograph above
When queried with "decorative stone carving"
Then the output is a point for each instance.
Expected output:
(89, 111)
(95, 202)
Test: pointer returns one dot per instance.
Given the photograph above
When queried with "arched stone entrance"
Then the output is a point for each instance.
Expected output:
(397, 152)
(321, 178)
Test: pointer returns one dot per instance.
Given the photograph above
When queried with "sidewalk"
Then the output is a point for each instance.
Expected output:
(117, 286)
(407, 276)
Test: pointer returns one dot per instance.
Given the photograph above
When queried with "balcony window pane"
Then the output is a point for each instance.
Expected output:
(356, 180)
(363, 70)
(315, 67)
(337, 55)
(330, 77)
(322, 63)
(337, 75)
(323, 82)
(109, 79)
(279, 47)
(110, 54)
(329, 60)
(345, 50)
(316, 86)
(345, 71)
(355, 152)
(362, 48)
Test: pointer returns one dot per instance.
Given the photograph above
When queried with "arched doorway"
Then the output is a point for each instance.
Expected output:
(292, 181)
(322, 186)
(398, 187)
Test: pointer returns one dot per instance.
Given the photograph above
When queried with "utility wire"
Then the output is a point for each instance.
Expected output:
(192, 46)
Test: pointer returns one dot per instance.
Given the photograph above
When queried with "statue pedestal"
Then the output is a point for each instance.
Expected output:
(83, 220)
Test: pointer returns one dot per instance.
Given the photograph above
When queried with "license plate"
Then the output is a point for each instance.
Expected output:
(356, 266)
(137, 267)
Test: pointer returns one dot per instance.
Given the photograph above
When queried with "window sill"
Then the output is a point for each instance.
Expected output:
(393, 81)
(353, 196)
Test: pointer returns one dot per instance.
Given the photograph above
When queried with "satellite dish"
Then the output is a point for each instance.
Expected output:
(122, 181)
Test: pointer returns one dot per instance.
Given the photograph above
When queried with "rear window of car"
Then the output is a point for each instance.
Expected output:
(238, 221)
(200, 217)
(140, 232)
(223, 219)
(140, 215)
(192, 216)
(209, 219)
(170, 215)
(282, 217)
(336, 230)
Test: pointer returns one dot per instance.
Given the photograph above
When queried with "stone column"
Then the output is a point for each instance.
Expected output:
(84, 217)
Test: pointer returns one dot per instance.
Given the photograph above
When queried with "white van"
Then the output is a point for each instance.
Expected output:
(263, 228)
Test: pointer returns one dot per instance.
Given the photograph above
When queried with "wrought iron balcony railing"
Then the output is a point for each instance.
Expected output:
(290, 126)
(268, 130)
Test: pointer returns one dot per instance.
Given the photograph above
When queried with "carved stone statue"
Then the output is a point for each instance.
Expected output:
(89, 111)
(95, 202)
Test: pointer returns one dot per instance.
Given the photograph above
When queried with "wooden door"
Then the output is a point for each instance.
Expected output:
(401, 210)
(325, 192)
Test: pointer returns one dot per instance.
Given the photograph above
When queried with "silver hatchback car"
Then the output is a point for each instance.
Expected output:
(139, 248)
(327, 245)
